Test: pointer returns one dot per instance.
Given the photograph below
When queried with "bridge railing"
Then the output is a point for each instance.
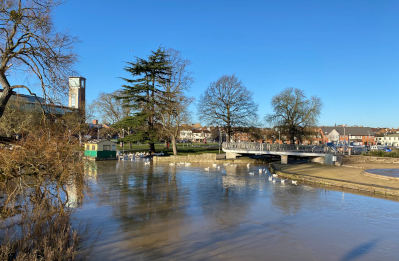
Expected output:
(254, 146)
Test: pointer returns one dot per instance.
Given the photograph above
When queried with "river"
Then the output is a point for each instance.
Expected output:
(163, 212)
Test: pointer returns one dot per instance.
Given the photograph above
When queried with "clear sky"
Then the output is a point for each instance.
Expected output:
(346, 52)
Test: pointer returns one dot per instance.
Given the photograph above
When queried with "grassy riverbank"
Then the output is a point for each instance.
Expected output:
(182, 148)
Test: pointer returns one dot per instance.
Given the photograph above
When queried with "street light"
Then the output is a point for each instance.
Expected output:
(349, 142)
(219, 141)
(369, 137)
(344, 140)
(325, 139)
(123, 147)
(279, 140)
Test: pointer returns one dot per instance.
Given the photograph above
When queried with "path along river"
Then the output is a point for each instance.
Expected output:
(163, 212)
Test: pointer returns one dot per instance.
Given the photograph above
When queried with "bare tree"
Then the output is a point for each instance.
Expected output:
(227, 103)
(174, 106)
(111, 109)
(30, 45)
(20, 117)
(294, 114)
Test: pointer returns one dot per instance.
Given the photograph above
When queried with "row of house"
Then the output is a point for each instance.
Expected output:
(195, 133)
(341, 134)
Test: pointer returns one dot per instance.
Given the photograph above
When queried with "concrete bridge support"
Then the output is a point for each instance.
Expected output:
(284, 159)
(232, 155)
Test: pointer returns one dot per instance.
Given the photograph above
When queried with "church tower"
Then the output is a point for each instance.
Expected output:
(77, 92)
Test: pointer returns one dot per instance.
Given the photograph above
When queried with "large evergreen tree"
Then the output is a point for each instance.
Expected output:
(144, 92)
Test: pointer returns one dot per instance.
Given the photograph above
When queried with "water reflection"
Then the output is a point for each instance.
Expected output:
(178, 212)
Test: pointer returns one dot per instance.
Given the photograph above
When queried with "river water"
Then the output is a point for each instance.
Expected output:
(162, 212)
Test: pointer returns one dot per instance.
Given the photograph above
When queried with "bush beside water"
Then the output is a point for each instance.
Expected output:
(380, 153)
(36, 177)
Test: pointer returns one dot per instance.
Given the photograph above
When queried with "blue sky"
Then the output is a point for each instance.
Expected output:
(345, 52)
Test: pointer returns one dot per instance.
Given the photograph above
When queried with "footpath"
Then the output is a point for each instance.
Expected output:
(351, 176)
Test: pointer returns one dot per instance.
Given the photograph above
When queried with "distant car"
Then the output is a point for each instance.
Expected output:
(378, 147)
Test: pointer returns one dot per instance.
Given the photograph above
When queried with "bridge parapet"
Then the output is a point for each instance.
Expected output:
(253, 147)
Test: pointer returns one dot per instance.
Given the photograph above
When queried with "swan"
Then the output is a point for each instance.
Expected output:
(248, 165)
(206, 169)
(274, 181)
(171, 164)
(270, 178)
(218, 167)
(147, 163)
(275, 175)
(282, 181)
(294, 182)
(251, 173)
(260, 170)
(214, 165)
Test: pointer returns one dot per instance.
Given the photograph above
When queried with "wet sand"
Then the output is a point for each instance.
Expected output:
(353, 173)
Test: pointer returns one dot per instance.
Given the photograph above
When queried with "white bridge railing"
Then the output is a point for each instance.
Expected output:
(253, 147)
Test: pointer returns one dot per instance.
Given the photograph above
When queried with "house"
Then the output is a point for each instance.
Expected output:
(195, 133)
(100, 149)
(387, 140)
(186, 134)
(357, 135)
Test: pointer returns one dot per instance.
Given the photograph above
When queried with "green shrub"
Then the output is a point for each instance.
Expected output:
(380, 153)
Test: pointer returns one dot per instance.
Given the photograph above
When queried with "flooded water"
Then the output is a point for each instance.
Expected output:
(162, 212)
(385, 172)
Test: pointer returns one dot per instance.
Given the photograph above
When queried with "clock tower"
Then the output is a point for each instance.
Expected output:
(77, 92)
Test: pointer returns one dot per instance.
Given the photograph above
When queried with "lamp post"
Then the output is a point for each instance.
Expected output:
(369, 137)
(344, 141)
(123, 145)
(325, 139)
(279, 140)
(219, 141)
(349, 142)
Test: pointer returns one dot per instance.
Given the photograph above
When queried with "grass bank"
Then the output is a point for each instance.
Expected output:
(182, 149)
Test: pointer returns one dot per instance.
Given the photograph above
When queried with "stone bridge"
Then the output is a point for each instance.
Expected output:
(234, 149)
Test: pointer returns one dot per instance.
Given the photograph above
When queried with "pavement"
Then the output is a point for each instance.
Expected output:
(349, 173)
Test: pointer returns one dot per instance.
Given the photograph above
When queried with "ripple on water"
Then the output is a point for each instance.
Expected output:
(385, 172)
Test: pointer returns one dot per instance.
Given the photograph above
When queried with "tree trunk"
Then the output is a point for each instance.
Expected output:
(174, 145)
(152, 147)
(6, 94)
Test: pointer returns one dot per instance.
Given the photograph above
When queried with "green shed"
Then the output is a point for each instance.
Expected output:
(100, 149)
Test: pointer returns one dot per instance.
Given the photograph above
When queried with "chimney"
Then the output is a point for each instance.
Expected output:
(95, 122)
